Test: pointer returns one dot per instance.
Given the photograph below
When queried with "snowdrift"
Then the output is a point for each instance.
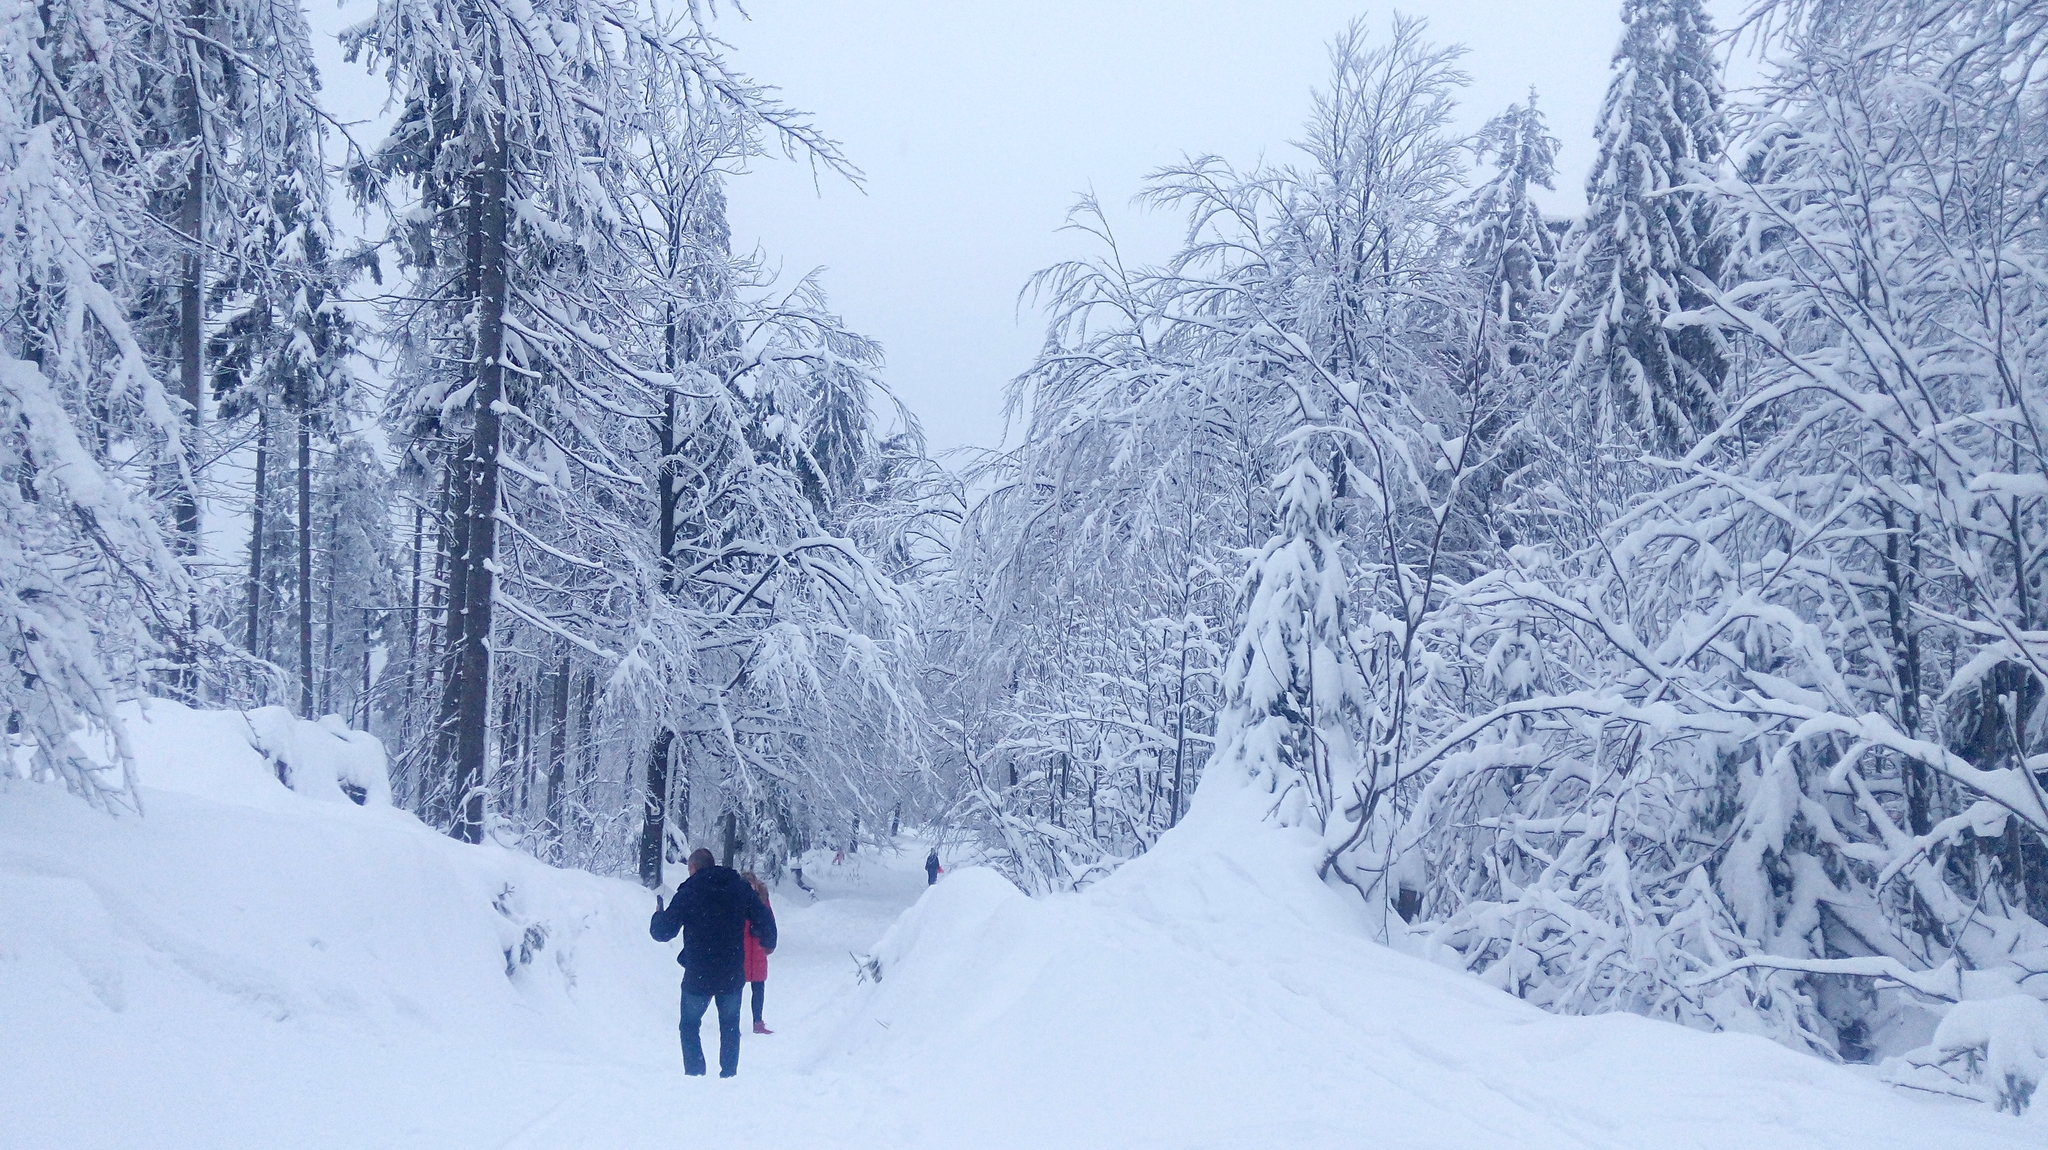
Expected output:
(236, 964)
(1213, 993)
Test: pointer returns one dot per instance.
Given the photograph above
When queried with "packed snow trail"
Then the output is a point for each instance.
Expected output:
(249, 966)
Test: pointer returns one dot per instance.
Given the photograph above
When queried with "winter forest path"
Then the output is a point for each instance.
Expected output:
(247, 967)
(779, 1097)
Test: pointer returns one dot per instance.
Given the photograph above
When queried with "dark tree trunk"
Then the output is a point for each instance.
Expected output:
(191, 221)
(654, 818)
(586, 748)
(327, 636)
(1180, 733)
(732, 836)
(369, 640)
(509, 749)
(305, 525)
(412, 629)
(252, 630)
(558, 751)
(439, 775)
(473, 647)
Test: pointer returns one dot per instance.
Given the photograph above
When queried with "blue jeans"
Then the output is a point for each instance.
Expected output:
(694, 1006)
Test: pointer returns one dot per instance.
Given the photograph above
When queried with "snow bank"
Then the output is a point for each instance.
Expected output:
(229, 966)
(240, 756)
(1215, 993)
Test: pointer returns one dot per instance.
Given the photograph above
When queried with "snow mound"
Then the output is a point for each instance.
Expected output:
(1992, 1049)
(1214, 993)
(242, 756)
(228, 961)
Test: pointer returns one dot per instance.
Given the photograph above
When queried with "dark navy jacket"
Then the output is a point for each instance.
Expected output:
(711, 910)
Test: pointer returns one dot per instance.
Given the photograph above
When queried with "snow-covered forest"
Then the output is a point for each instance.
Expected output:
(1639, 611)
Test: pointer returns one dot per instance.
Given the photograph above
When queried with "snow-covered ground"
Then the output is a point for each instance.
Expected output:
(251, 966)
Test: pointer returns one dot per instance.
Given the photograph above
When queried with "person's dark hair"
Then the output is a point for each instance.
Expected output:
(701, 857)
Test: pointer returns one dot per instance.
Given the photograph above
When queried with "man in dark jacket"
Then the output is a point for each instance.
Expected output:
(711, 909)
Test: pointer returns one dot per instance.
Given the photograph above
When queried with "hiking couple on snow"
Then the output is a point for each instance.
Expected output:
(728, 933)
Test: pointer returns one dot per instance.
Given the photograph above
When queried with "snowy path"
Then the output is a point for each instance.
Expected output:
(246, 968)
(780, 1093)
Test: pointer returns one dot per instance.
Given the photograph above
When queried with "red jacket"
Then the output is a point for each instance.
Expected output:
(756, 958)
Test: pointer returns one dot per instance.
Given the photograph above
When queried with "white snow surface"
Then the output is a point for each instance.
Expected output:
(248, 966)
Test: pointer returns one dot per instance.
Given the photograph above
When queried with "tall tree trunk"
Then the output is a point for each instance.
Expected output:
(510, 750)
(654, 817)
(305, 525)
(363, 697)
(665, 471)
(1180, 729)
(586, 742)
(438, 777)
(472, 682)
(252, 629)
(449, 532)
(558, 751)
(191, 221)
(412, 628)
(327, 633)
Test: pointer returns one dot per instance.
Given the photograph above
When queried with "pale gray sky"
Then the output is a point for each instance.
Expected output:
(977, 124)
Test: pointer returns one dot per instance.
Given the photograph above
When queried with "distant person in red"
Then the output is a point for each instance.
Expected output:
(757, 958)
(932, 869)
(716, 911)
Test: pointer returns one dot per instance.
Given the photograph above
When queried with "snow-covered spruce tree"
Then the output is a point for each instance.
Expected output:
(1648, 248)
(229, 129)
(678, 640)
(1506, 240)
(1295, 698)
(90, 591)
(510, 116)
(769, 668)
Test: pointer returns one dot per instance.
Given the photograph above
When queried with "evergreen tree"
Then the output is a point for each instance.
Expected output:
(1508, 245)
(1636, 260)
(1294, 702)
(89, 586)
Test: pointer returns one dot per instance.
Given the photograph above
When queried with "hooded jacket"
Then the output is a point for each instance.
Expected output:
(712, 911)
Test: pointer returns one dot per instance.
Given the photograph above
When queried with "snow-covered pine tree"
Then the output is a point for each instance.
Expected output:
(1508, 252)
(90, 590)
(1294, 699)
(1638, 264)
(1507, 243)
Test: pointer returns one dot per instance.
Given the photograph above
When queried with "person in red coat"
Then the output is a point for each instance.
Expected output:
(756, 960)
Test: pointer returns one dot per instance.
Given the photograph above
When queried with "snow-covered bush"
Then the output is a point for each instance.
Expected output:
(1994, 1050)
(324, 760)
